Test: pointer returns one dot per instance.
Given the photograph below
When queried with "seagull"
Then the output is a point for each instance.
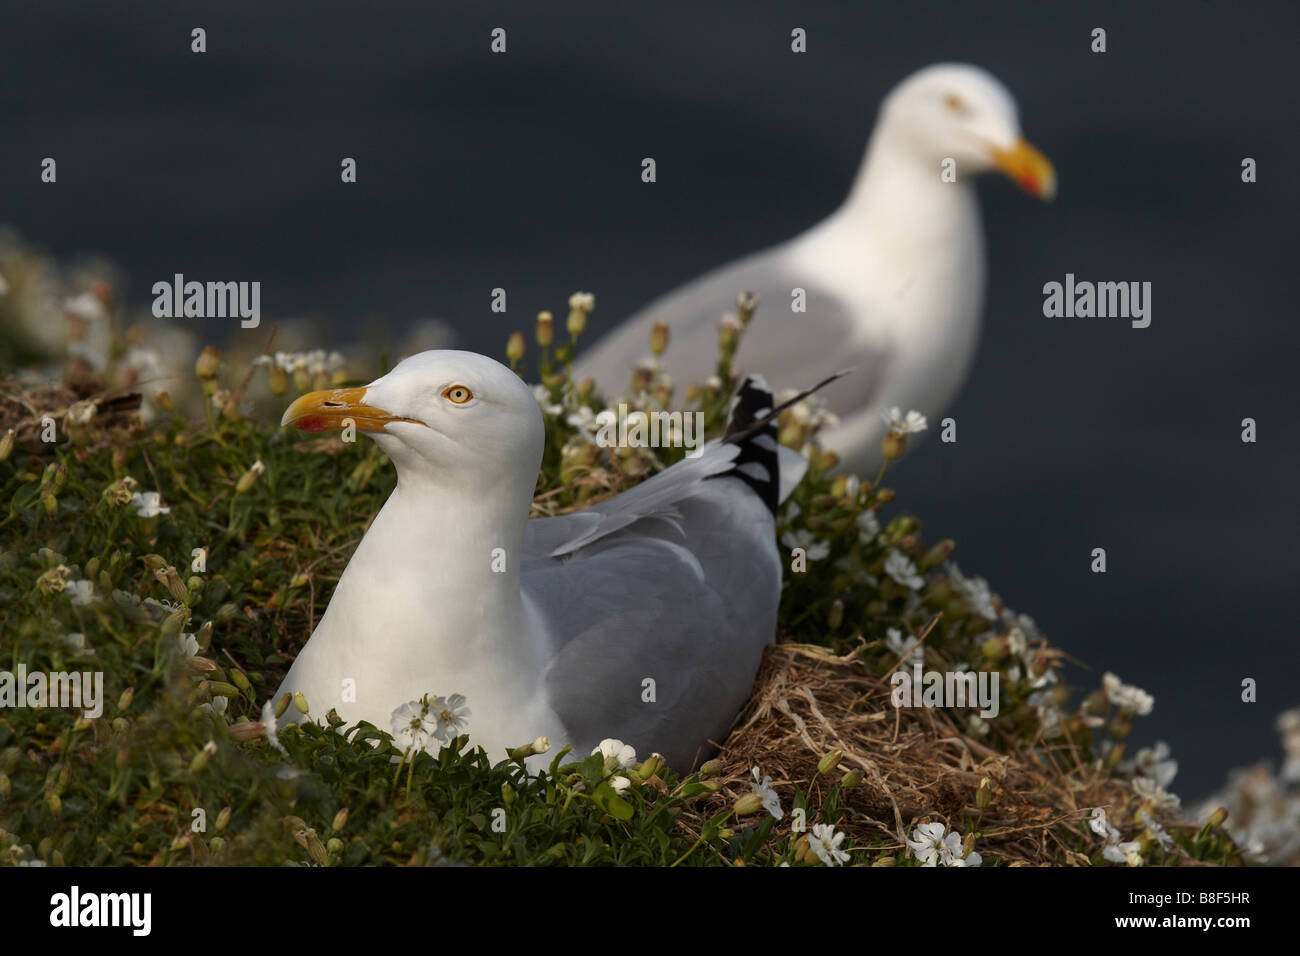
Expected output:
(641, 618)
(892, 283)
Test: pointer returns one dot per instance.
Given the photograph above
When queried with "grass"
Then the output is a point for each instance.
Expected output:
(193, 616)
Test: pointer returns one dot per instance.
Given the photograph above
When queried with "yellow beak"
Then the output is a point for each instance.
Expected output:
(337, 408)
(1028, 168)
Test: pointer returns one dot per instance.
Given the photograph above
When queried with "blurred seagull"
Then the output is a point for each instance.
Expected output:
(892, 282)
(551, 626)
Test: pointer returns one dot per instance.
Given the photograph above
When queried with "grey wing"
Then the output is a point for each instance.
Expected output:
(660, 625)
(790, 349)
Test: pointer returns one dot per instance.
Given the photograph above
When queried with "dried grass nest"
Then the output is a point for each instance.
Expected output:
(917, 765)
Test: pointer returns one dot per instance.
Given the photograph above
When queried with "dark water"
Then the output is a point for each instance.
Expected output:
(521, 171)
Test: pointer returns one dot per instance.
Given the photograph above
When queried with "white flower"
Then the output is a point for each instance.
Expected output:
(901, 424)
(1049, 714)
(980, 597)
(1101, 826)
(970, 859)
(76, 641)
(1154, 763)
(868, 526)
(451, 714)
(900, 567)
(927, 843)
(412, 725)
(216, 707)
(541, 745)
(763, 787)
(825, 842)
(1126, 696)
(543, 396)
(811, 412)
(1151, 792)
(584, 301)
(85, 306)
(803, 538)
(618, 755)
(1129, 853)
(80, 592)
(148, 504)
(1156, 830)
(619, 783)
(271, 728)
(900, 647)
(189, 645)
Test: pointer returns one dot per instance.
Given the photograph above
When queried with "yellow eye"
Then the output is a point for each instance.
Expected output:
(457, 394)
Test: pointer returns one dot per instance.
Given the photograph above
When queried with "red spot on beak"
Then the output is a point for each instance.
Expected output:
(311, 424)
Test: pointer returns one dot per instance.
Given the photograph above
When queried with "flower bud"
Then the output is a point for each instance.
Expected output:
(124, 702)
(174, 622)
(748, 804)
(538, 746)
(851, 779)
(208, 364)
(996, 648)
(244, 730)
(507, 793)
(746, 305)
(249, 478)
(658, 339)
(300, 702)
(545, 329)
(1217, 818)
(711, 768)
(836, 616)
(340, 821)
(580, 303)
(937, 555)
(893, 445)
(203, 757)
(830, 761)
(7, 444)
(652, 765)
(984, 795)
(728, 333)
(515, 347)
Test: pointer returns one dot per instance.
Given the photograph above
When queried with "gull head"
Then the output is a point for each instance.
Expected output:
(957, 111)
(444, 414)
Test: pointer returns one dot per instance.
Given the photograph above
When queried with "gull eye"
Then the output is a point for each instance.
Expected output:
(457, 394)
(955, 103)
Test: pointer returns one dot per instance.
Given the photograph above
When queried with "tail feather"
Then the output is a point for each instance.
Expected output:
(761, 462)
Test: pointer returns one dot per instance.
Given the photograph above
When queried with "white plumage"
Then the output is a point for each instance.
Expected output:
(893, 281)
(551, 626)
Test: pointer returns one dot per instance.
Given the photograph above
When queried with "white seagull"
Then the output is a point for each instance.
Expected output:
(892, 283)
(643, 617)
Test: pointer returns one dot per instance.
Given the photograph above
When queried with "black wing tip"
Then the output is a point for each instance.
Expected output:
(752, 428)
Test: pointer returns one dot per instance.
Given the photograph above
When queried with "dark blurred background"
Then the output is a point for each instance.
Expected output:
(522, 171)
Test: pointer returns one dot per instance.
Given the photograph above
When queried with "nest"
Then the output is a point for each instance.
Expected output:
(917, 765)
(78, 396)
